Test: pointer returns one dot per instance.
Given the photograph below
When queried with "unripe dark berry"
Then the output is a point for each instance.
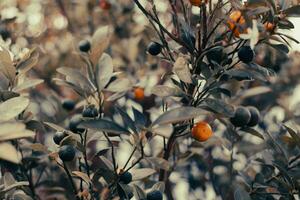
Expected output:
(155, 195)
(74, 122)
(84, 45)
(126, 177)
(90, 112)
(154, 48)
(5, 34)
(246, 54)
(241, 117)
(59, 136)
(66, 153)
(68, 104)
(254, 116)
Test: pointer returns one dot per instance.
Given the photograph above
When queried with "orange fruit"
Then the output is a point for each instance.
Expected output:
(104, 4)
(236, 22)
(196, 2)
(269, 26)
(139, 94)
(202, 131)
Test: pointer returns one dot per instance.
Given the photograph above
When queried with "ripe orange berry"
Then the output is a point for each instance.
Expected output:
(236, 22)
(196, 2)
(269, 26)
(104, 4)
(202, 131)
(139, 94)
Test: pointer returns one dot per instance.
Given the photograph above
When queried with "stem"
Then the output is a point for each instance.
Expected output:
(71, 180)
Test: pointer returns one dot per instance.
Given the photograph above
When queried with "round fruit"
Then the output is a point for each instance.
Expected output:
(246, 54)
(59, 136)
(154, 48)
(68, 105)
(235, 23)
(126, 177)
(105, 5)
(155, 195)
(241, 117)
(84, 45)
(202, 131)
(139, 94)
(5, 34)
(74, 122)
(269, 26)
(90, 112)
(196, 2)
(66, 153)
(254, 120)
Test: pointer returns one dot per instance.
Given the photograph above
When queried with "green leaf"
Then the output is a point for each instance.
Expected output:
(178, 115)
(252, 132)
(292, 11)
(103, 125)
(241, 194)
(219, 106)
(294, 135)
(127, 120)
(139, 118)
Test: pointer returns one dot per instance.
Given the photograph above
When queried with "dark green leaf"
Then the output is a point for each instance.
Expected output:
(139, 118)
(294, 135)
(252, 132)
(293, 11)
(127, 120)
(103, 125)
(219, 106)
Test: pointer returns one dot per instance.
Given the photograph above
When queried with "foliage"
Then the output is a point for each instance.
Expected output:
(112, 117)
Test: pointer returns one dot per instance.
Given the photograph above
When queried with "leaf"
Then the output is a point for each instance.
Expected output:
(75, 77)
(120, 85)
(160, 186)
(139, 193)
(54, 126)
(83, 176)
(6, 65)
(27, 84)
(141, 173)
(241, 194)
(159, 163)
(165, 91)
(11, 131)
(285, 174)
(294, 135)
(29, 60)
(16, 105)
(163, 130)
(15, 185)
(39, 147)
(292, 11)
(5, 95)
(139, 118)
(103, 125)
(104, 71)
(127, 120)
(255, 91)
(100, 41)
(179, 114)
(181, 69)
(9, 153)
(252, 132)
(219, 106)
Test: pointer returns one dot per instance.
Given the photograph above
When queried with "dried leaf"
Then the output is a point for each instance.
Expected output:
(83, 176)
(8, 152)
(27, 84)
(16, 105)
(141, 173)
(181, 68)
(100, 42)
(104, 71)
